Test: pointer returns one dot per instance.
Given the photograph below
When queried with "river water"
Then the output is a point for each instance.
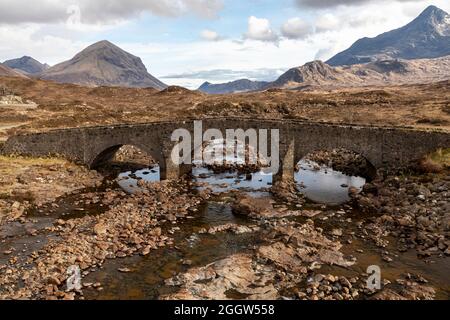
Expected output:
(319, 184)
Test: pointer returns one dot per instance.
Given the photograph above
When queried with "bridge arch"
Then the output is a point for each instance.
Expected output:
(104, 153)
(368, 171)
(370, 154)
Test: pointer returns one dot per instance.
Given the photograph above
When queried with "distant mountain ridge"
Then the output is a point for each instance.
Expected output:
(427, 36)
(26, 65)
(312, 73)
(377, 73)
(242, 85)
(104, 64)
(317, 74)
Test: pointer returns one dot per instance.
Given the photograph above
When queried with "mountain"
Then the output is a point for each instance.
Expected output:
(243, 85)
(103, 64)
(318, 74)
(314, 73)
(8, 72)
(26, 65)
(427, 36)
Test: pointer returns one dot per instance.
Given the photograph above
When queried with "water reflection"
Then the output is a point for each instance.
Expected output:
(233, 180)
(128, 181)
(324, 185)
(318, 183)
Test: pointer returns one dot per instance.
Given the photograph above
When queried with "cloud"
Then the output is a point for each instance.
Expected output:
(325, 53)
(259, 29)
(46, 48)
(101, 11)
(327, 22)
(194, 79)
(296, 28)
(185, 63)
(370, 17)
(335, 3)
(263, 74)
(210, 35)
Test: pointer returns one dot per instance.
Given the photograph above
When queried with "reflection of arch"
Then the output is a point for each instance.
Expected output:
(369, 172)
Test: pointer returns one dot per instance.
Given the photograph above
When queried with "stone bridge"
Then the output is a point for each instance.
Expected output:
(381, 146)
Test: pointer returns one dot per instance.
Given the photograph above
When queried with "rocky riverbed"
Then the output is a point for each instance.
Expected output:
(27, 182)
(184, 240)
(131, 225)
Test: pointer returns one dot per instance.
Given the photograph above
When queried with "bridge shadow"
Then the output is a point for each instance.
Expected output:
(123, 158)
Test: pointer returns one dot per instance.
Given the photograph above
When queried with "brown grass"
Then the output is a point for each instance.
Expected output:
(428, 165)
(65, 105)
(436, 162)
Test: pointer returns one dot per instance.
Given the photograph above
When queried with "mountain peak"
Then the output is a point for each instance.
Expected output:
(106, 42)
(104, 64)
(314, 72)
(427, 36)
(102, 44)
(432, 11)
(315, 64)
(432, 16)
(27, 65)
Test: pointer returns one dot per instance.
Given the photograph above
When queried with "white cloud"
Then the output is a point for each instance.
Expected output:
(264, 74)
(193, 80)
(210, 35)
(334, 3)
(325, 53)
(101, 11)
(260, 29)
(17, 42)
(184, 61)
(296, 28)
(327, 22)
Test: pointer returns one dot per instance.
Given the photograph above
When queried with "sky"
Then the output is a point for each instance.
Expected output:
(188, 42)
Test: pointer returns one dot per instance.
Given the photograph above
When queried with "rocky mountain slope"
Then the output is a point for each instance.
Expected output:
(242, 85)
(103, 64)
(314, 73)
(26, 65)
(427, 36)
(317, 74)
(8, 72)
(378, 73)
